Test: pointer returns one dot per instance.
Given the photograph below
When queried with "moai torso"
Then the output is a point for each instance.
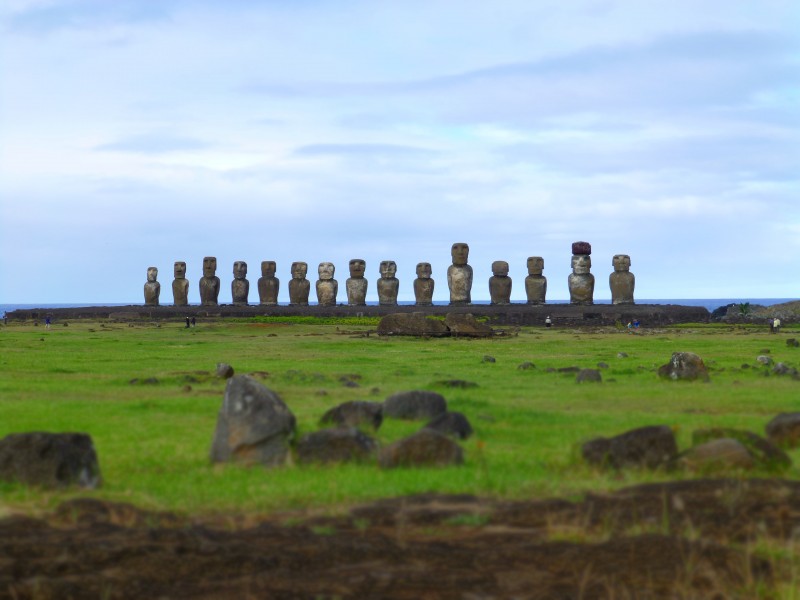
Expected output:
(459, 275)
(268, 284)
(152, 289)
(500, 283)
(535, 282)
(299, 286)
(423, 285)
(357, 284)
(327, 286)
(240, 287)
(180, 285)
(388, 284)
(209, 282)
(581, 281)
(621, 280)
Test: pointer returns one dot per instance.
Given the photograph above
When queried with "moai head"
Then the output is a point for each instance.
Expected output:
(581, 264)
(388, 268)
(621, 262)
(268, 268)
(326, 270)
(209, 266)
(299, 270)
(152, 274)
(535, 265)
(357, 267)
(500, 268)
(424, 270)
(460, 253)
(180, 269)
(239, 269)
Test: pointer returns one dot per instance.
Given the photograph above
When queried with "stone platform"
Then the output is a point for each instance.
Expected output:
(512, 314)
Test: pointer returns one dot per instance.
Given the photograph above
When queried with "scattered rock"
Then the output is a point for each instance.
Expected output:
(488, 359)
(414, 405)
(335, 446)
(722, 453)
(784, 369)
(50, 460)
(686, 366)
(451, 423)
(350, 383)
(254, 426)
(416, 324)
(224, 370)
(425, 448)
(602, 365)
(784, 430)
(649, 447)
(356, 413)
(588, 375)
(526, 365)
(764, 360)
(622, 355)
(791, 342)
(763, 452)
(465, 325)
(457, 383)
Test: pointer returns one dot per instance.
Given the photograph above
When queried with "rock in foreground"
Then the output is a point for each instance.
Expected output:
(49, 460)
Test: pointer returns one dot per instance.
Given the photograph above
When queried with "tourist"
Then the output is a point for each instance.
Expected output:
(47, 322)
(187, 322)
(194, 321)
(547, 321)
(776, 324)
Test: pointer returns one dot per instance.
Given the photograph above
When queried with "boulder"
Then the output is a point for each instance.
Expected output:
(648, 447)
(525, 366)
(425, 448)
(335, 446)
(224, 370)
(50, 460)
(416, 324)
(764, 360)
(356, 413)
(686, 366)
(454, 424)
(784, 369)
(784, 430)
(488, 359)
(254, 426)
(791, 342)
(722, 453)
(414, 405)
(465, 325)
(588, 375)
(763, 452)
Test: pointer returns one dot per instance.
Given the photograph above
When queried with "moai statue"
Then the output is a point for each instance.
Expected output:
(535, 282)
(268, 284)
(388, 284)
(240, 287)
(581, 281)
(500, 283)
(209, 282)
(621, 280)
(299, 286)
(459, 275)
(152, 289)
(327, 286)
(356, 284)
(180, 285)
(423, 285)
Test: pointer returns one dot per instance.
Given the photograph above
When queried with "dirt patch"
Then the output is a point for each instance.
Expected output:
(690, 539)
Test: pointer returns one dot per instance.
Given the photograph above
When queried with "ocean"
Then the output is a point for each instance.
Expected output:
(708, 303)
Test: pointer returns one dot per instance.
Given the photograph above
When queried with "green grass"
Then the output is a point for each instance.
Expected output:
(153, 440)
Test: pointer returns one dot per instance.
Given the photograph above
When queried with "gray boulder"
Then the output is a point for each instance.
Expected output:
(784, 430)
(414, 405)
(416, 324)
(764, 453)
(335, 446)
(356, 413)
(254, 426)
(465, 325)
(425, 448)
(764, 360)
(717, 454)
(50, 460)
(686, 366)
(647, 447)
(454, 424)
(588, 375)
(224, 370)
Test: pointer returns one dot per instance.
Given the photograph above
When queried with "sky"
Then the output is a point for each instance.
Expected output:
(137, 133)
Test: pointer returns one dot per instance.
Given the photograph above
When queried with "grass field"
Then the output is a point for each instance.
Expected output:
(153, 439)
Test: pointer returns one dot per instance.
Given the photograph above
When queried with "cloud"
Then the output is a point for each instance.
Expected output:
(154, 143)
(84, 14)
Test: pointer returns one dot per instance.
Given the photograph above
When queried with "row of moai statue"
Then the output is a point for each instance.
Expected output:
(459, 282)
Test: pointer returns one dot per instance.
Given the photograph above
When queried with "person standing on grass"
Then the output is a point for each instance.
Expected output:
(47, 322)
(547, 321)
(776, 324)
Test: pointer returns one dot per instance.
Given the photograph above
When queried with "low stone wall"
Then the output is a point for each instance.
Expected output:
(512, 314)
